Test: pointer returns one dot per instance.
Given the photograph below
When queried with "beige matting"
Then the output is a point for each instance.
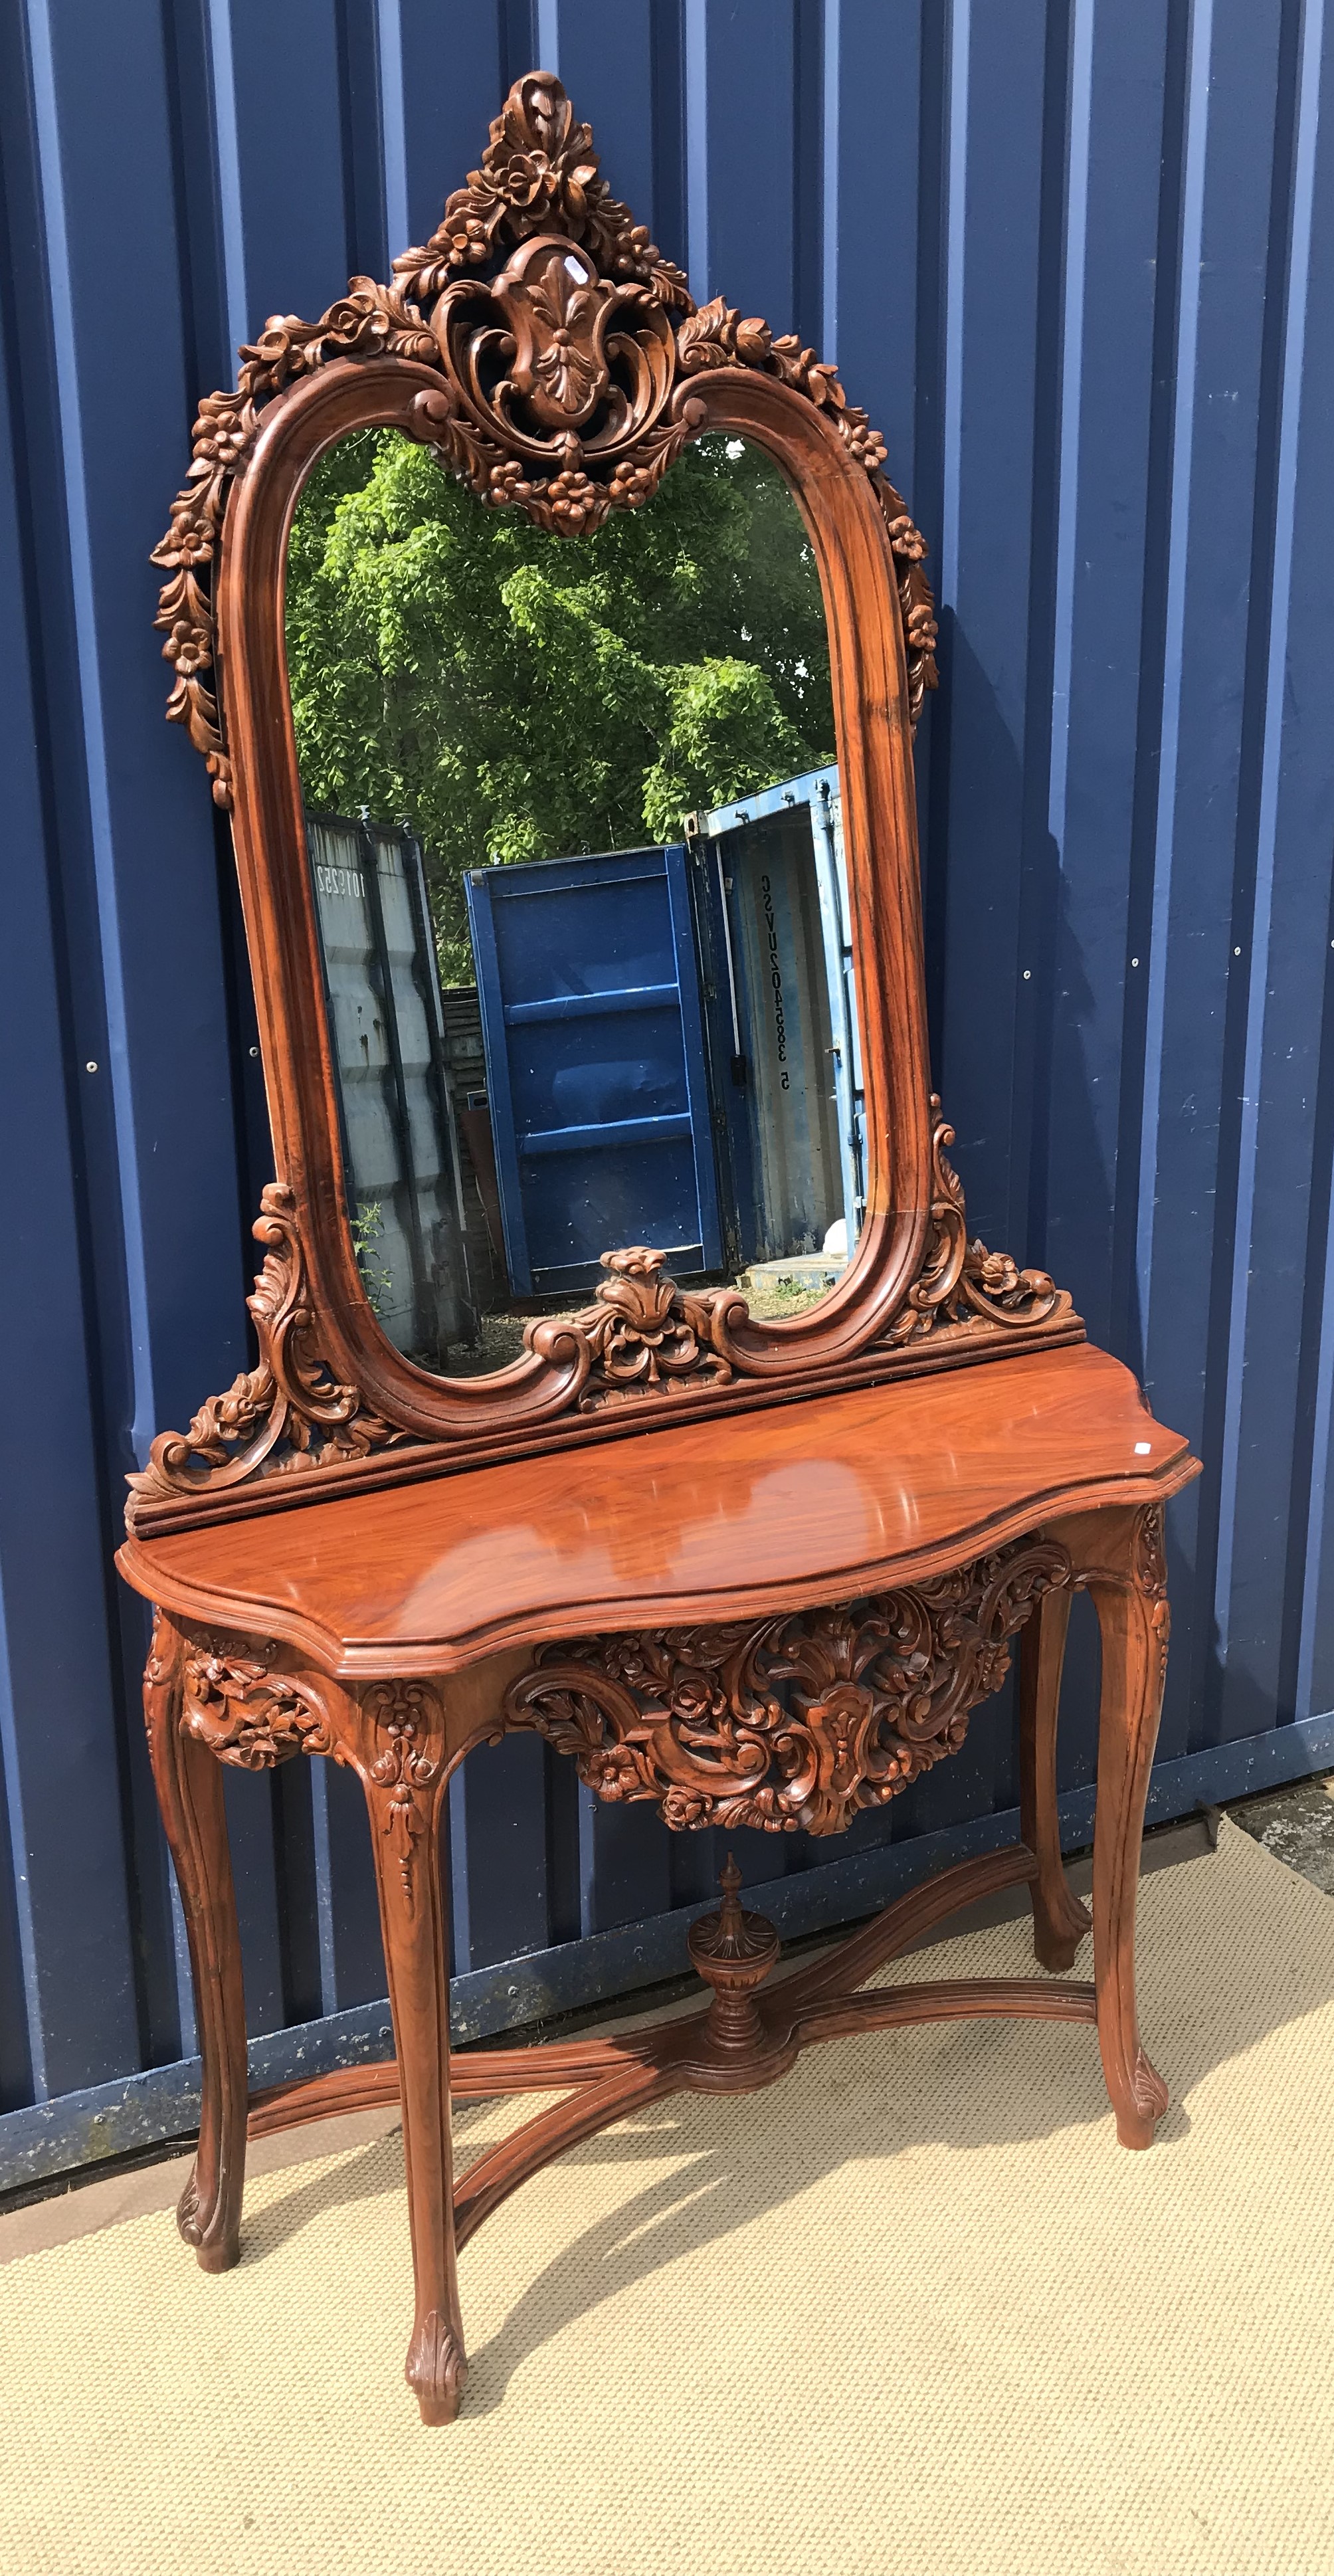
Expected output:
(913, 2309)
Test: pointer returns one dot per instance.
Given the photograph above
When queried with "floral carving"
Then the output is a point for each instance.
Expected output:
(287, 1415)
(405, 1715)
(797, 1721)
(539, 173)
(959, 1282)
(369, 321)
(564, 379)
(1150, 1552)
(244, 1712)
(643, 1335)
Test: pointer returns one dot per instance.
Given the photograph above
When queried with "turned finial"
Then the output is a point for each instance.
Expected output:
(733, 1952)
(729, 1912)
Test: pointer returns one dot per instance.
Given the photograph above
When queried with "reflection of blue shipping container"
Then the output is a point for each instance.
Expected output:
(589, 992)
(671, 1044)
(771, 896)
(387, 1035)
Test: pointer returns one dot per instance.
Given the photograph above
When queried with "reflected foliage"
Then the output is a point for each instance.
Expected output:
(511, 695)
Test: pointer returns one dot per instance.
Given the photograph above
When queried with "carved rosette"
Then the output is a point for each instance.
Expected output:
(287, 1415)
(242, 1710)
(564, 344)
(796, 1721)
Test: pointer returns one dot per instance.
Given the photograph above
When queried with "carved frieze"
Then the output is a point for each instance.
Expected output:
(245, 1712)
(237, 1703)
(794, 1721)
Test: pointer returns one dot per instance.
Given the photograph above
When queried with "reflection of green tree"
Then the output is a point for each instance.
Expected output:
(512, 695)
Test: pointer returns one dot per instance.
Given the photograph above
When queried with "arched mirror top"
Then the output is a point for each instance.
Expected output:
(549, 357)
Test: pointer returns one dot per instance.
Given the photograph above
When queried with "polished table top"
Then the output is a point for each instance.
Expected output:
(735, 1515)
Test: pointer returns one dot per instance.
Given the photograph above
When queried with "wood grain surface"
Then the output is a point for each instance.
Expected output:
(711, 1519)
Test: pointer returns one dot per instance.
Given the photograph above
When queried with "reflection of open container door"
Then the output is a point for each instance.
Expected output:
(770, 887)
(590, 1002)
(399, 1149)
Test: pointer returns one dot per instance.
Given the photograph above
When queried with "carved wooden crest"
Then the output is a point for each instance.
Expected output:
(564, 378)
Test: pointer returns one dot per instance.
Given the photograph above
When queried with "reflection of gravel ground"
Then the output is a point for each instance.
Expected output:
(1296, 1824)
(771, 1301)
(501, 1342)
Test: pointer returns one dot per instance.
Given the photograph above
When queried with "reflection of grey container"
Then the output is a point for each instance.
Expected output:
(465, 1064)
(385, 1012)
(776, 923)
(771, 896)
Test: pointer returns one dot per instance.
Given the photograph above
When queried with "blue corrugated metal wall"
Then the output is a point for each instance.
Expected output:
(1076, 259)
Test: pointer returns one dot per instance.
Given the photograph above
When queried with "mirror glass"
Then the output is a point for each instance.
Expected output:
(574, 832)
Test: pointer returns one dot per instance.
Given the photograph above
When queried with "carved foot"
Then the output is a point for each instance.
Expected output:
(1060, 1923)
(1137, 2118)
(214, 2232)
(436, 2368)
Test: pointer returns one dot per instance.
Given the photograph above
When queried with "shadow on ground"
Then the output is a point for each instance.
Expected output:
(726, 2172)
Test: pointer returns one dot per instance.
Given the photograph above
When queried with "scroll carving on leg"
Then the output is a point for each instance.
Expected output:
(791, 1722)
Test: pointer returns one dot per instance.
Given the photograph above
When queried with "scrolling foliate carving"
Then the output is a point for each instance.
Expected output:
(961, 1283)
(233, 1702)
(287, 1415)
(643, 1335)
(796, 1721)
(564, 379)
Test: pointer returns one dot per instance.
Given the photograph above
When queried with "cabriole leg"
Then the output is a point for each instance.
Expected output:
(1133, 1615)
(189, 1789)
(403, 1774)
(1059, 1920)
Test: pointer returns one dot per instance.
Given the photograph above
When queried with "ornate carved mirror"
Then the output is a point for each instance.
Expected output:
(556, 648)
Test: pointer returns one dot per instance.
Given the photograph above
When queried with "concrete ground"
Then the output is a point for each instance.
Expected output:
(1296, 1823)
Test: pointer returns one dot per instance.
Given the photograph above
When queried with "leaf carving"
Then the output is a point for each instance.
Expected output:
(289, 1414)
(791, 1723)
(564, 342)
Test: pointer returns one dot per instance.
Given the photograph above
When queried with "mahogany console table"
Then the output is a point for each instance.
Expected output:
(779, 1619)
(755, 1573)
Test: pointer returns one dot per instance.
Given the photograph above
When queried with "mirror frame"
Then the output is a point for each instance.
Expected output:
(640, 372)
